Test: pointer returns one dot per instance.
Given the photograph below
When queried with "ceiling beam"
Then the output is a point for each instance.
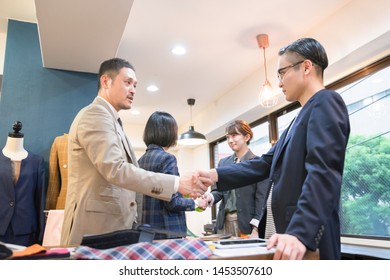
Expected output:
(78, 35)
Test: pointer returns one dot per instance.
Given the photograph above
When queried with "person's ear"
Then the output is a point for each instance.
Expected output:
(105, 81)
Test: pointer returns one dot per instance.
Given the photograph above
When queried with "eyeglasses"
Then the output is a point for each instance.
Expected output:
(284, 70)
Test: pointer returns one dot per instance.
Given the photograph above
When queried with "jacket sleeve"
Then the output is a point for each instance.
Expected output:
(245, 173)
(178, 202)
(40, 199)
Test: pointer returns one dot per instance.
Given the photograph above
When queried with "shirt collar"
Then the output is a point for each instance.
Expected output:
(110, 106)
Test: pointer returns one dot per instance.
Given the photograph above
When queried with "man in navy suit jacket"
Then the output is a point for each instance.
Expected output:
(305, 167)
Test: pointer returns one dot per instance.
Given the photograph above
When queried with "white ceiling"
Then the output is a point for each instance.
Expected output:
(220, 37)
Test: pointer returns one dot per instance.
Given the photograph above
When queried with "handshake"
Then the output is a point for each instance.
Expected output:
(196, 184)
(203, 201)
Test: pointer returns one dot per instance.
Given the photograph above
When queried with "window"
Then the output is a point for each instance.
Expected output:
(365, 200)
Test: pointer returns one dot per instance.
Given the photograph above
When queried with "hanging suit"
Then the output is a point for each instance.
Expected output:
(22, 219)
(58, 173)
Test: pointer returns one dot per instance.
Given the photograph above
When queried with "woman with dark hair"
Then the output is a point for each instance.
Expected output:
(160, 134)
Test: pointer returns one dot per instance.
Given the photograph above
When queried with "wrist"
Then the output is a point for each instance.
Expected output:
(255, 229)
(214, 175)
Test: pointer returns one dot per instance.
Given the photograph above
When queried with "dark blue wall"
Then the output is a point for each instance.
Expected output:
(44, 100)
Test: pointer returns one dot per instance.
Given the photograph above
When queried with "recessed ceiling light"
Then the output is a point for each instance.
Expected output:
(135, 112)
(179, 50)
(152, 88)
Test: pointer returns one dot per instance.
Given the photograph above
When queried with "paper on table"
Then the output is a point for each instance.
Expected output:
(248, 251)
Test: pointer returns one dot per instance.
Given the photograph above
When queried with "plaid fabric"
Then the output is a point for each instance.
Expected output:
(171, 249)
(169, 215)
(58, 174)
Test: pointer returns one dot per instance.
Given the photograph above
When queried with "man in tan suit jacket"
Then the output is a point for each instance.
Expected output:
(103, 172)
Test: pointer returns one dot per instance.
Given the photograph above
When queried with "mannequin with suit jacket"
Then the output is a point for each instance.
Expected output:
(14, 148)
(23, 192)
(58, 173)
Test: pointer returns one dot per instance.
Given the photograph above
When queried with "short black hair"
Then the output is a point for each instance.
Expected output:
(112, 67)
(161, 129)
(308, 48)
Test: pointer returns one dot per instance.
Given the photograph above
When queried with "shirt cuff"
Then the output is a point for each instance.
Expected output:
(254, 222)
(176, 186)
(211, 203)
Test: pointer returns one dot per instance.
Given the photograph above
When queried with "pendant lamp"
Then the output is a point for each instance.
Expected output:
(191, 137)
(267, 97)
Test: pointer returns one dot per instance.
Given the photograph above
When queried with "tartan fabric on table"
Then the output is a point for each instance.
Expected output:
(171, 249)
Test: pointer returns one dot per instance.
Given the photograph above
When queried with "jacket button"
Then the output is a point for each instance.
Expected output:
(132, 203)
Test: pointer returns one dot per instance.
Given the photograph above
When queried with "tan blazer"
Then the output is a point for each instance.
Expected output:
(58, 173)
(102, 179)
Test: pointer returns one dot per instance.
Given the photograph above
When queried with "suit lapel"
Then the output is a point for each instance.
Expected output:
(249, 155)
(285, 137)
(129, 150)
(126, 145)
(125, 142)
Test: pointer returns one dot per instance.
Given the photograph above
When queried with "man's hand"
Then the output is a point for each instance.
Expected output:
(254, 233)
(288, 247)
(209, 174)
(193, 185)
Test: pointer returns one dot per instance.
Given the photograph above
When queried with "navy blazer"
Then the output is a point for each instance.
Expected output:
(22, 204)
(305, 168)
(249, 199)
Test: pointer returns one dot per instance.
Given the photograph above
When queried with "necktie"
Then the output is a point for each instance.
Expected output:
(120, 122)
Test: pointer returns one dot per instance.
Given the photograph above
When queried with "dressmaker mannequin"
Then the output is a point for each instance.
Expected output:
(23, 192)
(14, 146)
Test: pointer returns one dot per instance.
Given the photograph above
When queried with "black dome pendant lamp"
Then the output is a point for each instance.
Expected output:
(191, 137)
